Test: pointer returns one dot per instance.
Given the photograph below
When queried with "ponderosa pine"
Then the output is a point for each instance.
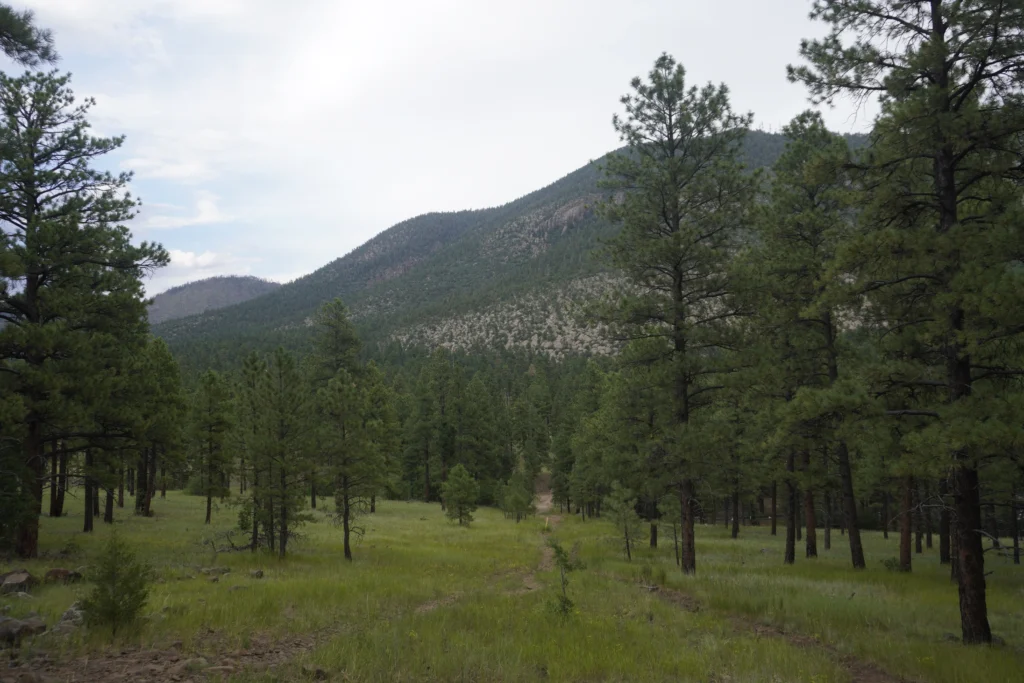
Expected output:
(939, 251)
(681, 199)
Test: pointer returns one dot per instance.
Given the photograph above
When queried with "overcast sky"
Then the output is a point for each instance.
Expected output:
(270, 137)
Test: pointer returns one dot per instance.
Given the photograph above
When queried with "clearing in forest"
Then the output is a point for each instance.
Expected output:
(425, 599)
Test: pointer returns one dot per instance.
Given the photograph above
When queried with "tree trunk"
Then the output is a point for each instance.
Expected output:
(140, 482)
(775, 497)
(791, 506)
(96, 498)
(828, 519)
(850, 506)
(654, 535)
(312, 495)
(209, 507)
(973, 608)
(373, 504)
(53, 480)
(120, 488)
(906, 525)
(28, 532)
(918, 523)
(1014, 526)
(688, 550)
(885, 515)
(88, 498)
(150, 483)
(283, 530)
(271, 520)
(163, 480)
(62, 478)
(735, 513)
(108, 508)
(926, 512)
(993, 523)
(954, 552)
(254, 542)
(346, 517)
(811, 548)
(675, 541)
(426, 476)
(944, 544)
(131, 481)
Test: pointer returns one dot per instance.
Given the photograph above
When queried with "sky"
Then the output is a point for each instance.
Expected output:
(269, 137)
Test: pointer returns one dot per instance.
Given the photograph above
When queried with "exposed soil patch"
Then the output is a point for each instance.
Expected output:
(432, 605)
(860, 671)
(149, 666)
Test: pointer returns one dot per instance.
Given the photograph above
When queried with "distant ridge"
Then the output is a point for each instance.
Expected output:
(508, 277)
(210, 294)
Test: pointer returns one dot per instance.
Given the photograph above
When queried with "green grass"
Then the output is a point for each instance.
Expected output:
(428, 600)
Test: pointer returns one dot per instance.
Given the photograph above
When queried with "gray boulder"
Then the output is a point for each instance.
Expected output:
(13, 631)
(18, 581)
(73, 615)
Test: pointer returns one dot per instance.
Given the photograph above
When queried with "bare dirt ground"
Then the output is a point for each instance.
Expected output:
(860, 671)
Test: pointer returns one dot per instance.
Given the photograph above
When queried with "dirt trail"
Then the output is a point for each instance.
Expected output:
(859, 670)
(139, 665)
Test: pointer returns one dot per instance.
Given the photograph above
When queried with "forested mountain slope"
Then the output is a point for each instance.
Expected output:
(509, 276)
(206, 295)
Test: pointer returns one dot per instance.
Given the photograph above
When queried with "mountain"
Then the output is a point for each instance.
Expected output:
(512, 276)
(206, 295)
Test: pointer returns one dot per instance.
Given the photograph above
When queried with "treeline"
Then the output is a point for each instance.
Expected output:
(845, 329)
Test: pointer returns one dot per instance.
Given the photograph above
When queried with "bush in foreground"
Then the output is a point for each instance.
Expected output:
(121, 587)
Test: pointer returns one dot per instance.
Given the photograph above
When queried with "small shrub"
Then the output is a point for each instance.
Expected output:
(892, 564)
(651, 575)
(566, 563)
(121, 587)
(460, 493)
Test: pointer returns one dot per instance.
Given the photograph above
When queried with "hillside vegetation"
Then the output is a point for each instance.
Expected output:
(515, 274)
(210, 294)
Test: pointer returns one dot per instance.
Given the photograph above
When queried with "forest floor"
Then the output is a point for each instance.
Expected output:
(427, 600)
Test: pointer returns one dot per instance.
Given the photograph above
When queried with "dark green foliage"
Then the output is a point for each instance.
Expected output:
(22, 40)
(620, 507)
(460, 493)
(357, 434)
(685, 200)
(937, 258)
(516, 499)
(566, 563)
(71, 295)
(120, 587)
(210, 458)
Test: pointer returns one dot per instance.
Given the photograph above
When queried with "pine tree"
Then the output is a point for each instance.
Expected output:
(684, 198)
(257, 512)
(23, 41)
(70, 278)
(460, 493)
(938, 254)
(284, 440)
(621, 506)
(800, 230)
(211, 458)
(359, 421)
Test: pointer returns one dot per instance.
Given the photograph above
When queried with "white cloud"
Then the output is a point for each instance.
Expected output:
(188, 266)
(206, 213)
(319, 123)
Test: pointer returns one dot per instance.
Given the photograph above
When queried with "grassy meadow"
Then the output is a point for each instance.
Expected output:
(428, 600)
